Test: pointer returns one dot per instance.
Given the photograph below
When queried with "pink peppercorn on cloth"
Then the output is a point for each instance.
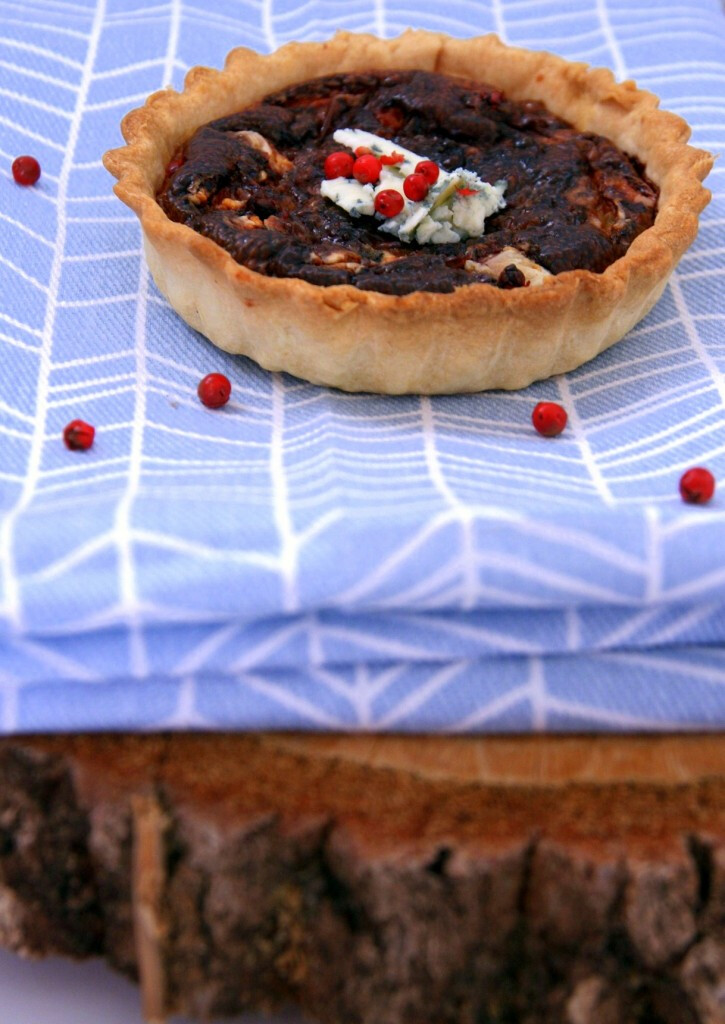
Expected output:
(304, 558)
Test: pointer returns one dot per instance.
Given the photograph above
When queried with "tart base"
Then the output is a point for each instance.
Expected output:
(545, 880)
(338, 346)
(472, 339)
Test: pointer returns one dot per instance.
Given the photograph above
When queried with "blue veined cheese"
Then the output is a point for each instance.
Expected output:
(443, 216)
(470, 211)
(354, 137)
(357, 199)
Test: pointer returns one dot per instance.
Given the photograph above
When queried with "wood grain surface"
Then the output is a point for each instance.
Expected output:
(377, 879)
(526, 760)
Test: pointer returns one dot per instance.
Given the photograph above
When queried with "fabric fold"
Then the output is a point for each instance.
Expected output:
(658, 689)
(340, 640)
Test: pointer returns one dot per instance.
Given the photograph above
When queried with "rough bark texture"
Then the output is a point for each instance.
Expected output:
(365, 894)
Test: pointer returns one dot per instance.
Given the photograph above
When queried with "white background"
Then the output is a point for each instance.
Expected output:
(57, 991)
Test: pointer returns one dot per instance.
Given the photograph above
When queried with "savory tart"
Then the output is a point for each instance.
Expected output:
(421, 214)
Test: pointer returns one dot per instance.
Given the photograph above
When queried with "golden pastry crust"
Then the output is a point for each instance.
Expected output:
(472, 339)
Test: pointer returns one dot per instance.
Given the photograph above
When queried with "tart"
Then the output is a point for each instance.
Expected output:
(227, 178)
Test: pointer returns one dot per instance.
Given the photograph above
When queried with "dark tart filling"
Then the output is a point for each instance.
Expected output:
(251, 183)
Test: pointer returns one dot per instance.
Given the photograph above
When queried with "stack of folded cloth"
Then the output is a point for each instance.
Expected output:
(308, 559)
(458, 618)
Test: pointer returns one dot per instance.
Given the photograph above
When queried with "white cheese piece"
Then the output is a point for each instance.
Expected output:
(413, 213)
(533, 272)
(357, 199)
(354, 137)
(435, 232)
(426, 229)
(443, 216)
(404, 228)
(470, 211)
(445, 188)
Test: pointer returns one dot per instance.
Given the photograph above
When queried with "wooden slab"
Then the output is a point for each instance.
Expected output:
(381, 880)
(526, 760)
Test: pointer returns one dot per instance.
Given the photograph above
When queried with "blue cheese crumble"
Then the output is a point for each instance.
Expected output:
(445, 215)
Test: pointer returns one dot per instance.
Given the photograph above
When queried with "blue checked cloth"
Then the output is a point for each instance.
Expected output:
(310, 559)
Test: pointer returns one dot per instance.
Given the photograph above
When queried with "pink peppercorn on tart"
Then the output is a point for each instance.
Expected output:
(420, 214)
